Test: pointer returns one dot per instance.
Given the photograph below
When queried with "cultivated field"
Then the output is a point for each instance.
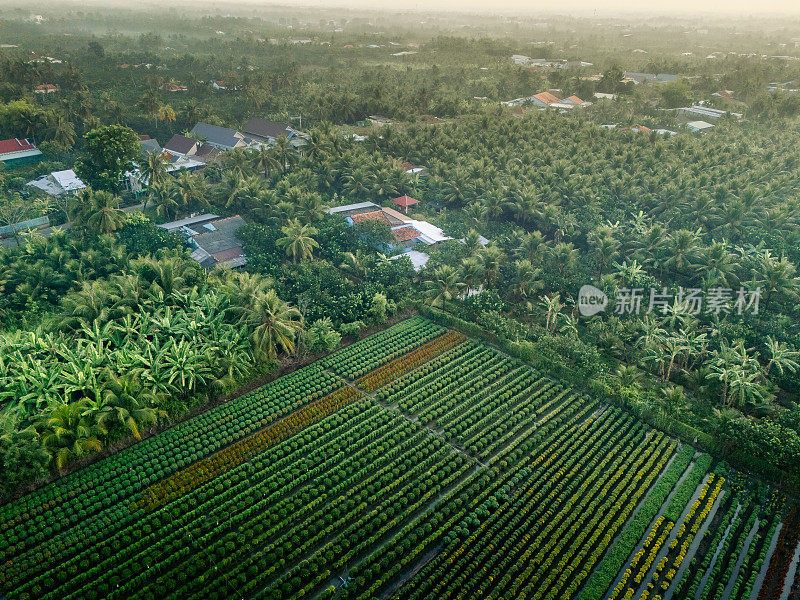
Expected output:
(415, 464)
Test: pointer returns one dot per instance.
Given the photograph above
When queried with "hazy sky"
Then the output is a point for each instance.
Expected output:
(582, 6)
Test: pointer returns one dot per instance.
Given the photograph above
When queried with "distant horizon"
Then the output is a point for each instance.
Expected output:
(583, 7)
(522, 8)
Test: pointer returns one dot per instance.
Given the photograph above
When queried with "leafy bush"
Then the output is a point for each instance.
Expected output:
(322, 337)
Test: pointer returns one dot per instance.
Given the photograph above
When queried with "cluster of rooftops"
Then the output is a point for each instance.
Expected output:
(409, 234)
(549, 99)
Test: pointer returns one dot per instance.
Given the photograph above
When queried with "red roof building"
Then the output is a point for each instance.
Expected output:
(375, 215)
(405, 201)
(17, 152)
(405, 233)
(15, 145)
(546, 98)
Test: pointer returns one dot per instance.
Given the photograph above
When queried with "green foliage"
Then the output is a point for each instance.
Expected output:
(376, 234)
(141, 236)
(109, 152)
(23, 459)
(378, 308)
(351, 329)
(604, 575)
(322, 337)
(687, 488)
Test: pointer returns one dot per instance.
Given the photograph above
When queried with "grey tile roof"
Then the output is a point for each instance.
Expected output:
(180, 144)
(218, 136)
(150, 145)
(266, 129)
(222, 238)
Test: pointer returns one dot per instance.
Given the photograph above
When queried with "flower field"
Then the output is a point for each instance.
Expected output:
(413, 464)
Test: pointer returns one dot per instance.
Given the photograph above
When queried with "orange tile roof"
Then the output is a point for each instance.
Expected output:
(641, 129)
(546, 97)
(575, 99)
(375, 215)
(405, 233)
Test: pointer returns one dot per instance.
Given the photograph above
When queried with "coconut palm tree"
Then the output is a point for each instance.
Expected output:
(309, 208)
(782, 357)
(67, 434)
(564, 257)
(356, 183)
(551, 305)
(154, 170)
(492, 258)
(472, 273)
(190, 191)
(126, 406)
(285, 152)
(719, 265)
(777, 277)
(532, 247)
(456, 191)
(149, 103)
(166, 199)
(63, 132)
(98, 212)
(355, 262)
(605, 248)
(166, 275)
(317, 143)
(526, 279)
(276, 324)
(265, 160)
(477, 213)
(298, 240)
(683, 249)
(443, 286)
(166, 113)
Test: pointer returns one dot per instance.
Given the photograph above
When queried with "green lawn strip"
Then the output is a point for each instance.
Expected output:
(686, 491)
(607, 570)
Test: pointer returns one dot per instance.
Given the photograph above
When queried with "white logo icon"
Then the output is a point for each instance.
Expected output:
(591, 300)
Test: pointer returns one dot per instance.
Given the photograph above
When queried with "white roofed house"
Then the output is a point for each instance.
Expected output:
(705, 113)
(58, 183)
(699, 126)
(409, 234)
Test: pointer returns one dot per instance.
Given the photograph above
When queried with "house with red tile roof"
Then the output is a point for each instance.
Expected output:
(544, 99)
(573, 100)
(376, 215)
(405, 234)
(15, 152)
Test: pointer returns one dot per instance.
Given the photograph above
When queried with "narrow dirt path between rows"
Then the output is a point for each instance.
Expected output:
(765, 567)
(660, 512)
(742, 555)
(674, 534)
